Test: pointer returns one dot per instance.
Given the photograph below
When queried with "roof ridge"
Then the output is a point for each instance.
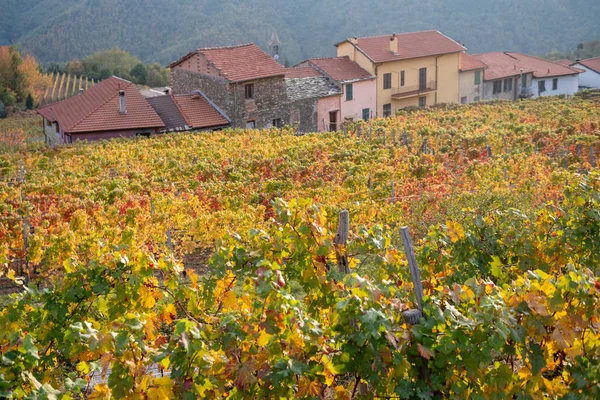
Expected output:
(398, 34)
(101, 105)
(187, 122)
(226, 47)
(328, 58)
(543, 59)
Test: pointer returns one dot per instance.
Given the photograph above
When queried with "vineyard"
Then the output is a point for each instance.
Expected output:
(208, 265)
(64, 86)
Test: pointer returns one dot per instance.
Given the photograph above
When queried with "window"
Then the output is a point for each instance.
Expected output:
(349, 94)
(48, 123)
(463, 100)
(277, 123)
(387, 80)
(402, 78)
(476, 98)
(508, 84)
(422, 78)
(477, 77)
(497, 87)
(249, 91)
(422, 101)
(555, 84)
(332, 121)
(251, 124)
(57, 128)
(387, 110)
(366, 114)
(541, 86)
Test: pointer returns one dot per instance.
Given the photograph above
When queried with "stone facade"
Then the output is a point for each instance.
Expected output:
(269, 103)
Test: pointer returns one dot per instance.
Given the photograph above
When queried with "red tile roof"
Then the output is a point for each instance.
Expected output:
(239, 63)
(544, 68)
(591, 63)
(469, 63)
(410, 45)
(341, 69)
(98, 109)
(564, 61)
(301, 72)
(198, 111)
(501, 65)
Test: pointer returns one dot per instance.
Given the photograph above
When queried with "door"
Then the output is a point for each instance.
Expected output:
(422, 78)
(332, 121)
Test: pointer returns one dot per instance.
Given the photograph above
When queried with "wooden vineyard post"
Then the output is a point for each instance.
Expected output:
(340, 241)
(592, 160)
(413, 316)
(169, 240)
(358, 131)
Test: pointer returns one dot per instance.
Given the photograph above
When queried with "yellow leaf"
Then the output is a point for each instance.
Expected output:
(229, 300)
(169, 313)
(11, 275)
(146, 297)
(263, 338)
(341, 393)
(455, 231)
(101, 392)
(83, 367)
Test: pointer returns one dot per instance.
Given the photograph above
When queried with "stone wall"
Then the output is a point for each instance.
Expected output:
(304, 113)
(270, 99)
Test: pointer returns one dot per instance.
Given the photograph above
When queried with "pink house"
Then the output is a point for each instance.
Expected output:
(358, 87)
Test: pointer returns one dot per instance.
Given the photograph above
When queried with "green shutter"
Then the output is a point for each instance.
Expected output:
(477, 77)
(349, 92)
(366, 113)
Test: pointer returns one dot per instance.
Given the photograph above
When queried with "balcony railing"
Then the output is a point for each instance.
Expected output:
(414, 90)
(526, 92)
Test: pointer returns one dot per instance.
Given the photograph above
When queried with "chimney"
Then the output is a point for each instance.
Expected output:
(167, 91)
(353, 40)
(394, 44)
(80, 90)
(122, 101)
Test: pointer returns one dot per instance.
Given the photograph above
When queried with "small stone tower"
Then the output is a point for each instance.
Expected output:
(274, 44)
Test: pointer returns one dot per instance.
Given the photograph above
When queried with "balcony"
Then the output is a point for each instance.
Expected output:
(525, 92)
(415, 90)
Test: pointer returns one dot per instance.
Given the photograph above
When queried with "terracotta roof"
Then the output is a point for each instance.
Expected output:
(544, 68)
(239, 63)
(564, 61)
(198, 111)
(98, 109)
(501, 65)
(469, 63)
(301, 72)
(591, 63)
(340, 69)
(410, 45)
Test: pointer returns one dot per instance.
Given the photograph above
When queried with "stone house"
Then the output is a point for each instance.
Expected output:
(246, 83)
(314, 100)
(358, 98)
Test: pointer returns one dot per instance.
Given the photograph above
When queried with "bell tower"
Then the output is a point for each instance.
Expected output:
(274, 44)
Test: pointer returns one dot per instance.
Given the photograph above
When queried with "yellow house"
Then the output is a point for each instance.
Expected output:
(412, 69)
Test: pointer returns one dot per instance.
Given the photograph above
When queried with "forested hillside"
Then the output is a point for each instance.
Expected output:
(162, 30)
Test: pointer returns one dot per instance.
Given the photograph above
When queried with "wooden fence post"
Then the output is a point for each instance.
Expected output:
(413, 316)
(340, 241)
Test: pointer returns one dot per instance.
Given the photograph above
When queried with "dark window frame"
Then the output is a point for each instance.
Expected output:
(555, 84)
(464, 100)
(422, 101)
(508, 84)
(277, 123)
(541, 86)
(249, 91)
(497, 87)
(387, 80)
(251, 121)
(387, 110)
(368, 114)
(402, 79)
(477, 77)
(349, 92)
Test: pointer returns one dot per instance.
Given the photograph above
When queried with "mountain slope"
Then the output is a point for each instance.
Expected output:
(162, 30)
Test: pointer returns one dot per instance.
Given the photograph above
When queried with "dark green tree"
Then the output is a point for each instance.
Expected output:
(29, 102)
(139, 73)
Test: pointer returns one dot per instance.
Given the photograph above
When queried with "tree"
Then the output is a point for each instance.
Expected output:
(29, 102)
(75, 67)
(139, 73)
(157, 75)
(32, 82)
(2, 110)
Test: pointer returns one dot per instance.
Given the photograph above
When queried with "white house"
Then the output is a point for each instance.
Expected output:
(550, 78)
(590, 78)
